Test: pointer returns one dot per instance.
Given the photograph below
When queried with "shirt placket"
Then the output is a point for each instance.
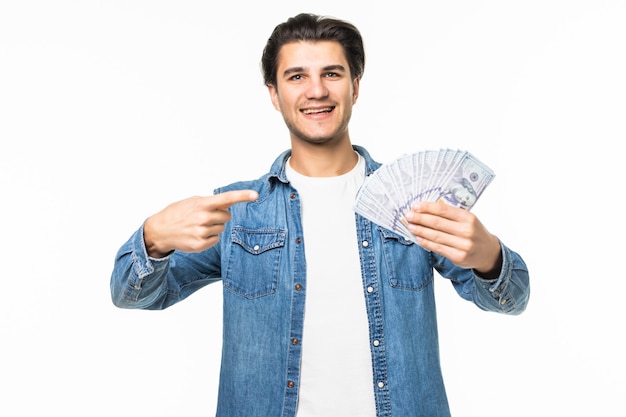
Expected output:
(298, 293)
(374, 311)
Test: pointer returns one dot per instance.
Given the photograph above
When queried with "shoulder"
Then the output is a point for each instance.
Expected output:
(265, 184)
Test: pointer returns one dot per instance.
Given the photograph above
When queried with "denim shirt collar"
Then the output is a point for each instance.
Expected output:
(278, 166)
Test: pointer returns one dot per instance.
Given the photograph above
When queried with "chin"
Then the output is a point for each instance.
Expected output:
(320, 140)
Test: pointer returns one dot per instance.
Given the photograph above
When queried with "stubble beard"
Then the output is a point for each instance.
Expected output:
(298, 134)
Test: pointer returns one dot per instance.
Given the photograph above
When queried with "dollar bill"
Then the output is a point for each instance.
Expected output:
(455, 177)
(466, 183)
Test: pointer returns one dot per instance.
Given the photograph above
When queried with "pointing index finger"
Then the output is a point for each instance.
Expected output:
(228, 198)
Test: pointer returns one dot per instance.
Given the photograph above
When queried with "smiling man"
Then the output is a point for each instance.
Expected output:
(325, 313)
(314, 92)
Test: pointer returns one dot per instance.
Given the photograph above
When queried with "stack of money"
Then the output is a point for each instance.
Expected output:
(455, 177)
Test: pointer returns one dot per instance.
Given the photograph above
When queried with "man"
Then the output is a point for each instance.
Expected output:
(325, 313)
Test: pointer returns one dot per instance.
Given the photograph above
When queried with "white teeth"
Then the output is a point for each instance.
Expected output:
(316, 111)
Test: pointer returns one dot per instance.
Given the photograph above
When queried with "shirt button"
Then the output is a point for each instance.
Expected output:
(256, 247)
(365, 243)
(298, 240)
(292, 195)
(290, 384)
(370, 289)
(294, 341)
(376, 343)
(381, 384)
(298, 287)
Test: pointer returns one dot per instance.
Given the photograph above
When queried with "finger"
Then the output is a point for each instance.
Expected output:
(439, 209)
(421, 220)
(228, 198)
(455, 255)
(214, 230)
(440, 216)
(216, 217)
(434, 235)
(437, 228)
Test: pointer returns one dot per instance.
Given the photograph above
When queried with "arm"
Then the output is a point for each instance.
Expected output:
(456, 234)
(139, 281)
(167, 259)
(481, 267)
(507, 293)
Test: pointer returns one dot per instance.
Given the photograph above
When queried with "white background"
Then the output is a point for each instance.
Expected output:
(109, 110)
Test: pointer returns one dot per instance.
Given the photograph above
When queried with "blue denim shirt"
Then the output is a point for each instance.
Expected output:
(260, 261)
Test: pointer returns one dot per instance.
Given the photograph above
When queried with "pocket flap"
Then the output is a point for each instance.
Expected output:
(258, 240)
(388, 234)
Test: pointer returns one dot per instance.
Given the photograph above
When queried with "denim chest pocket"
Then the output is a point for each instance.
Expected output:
(408, 265)
(253, 264)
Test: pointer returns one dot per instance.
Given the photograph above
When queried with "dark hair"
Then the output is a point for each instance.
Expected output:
(311, 27)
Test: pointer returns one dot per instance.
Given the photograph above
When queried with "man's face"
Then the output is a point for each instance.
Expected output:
(314, 91)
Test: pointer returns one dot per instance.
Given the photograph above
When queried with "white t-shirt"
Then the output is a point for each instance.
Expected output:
(336, 377)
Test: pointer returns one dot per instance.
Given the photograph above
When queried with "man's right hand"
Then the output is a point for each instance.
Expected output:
(193, 224)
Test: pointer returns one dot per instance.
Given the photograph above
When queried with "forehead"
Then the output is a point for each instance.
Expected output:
(309, 54)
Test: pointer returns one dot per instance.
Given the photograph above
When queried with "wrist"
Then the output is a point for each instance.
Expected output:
(492, 270)
(152, 248)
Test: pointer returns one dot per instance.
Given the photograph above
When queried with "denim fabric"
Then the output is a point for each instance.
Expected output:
(260, 261)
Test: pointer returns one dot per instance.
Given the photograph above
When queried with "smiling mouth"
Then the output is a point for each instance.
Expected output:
(318, 111)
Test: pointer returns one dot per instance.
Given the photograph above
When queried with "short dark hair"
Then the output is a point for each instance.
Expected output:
(312, 27)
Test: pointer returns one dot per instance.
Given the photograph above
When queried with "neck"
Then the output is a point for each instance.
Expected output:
(314, 160)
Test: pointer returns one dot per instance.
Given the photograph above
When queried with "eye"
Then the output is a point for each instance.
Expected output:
(296, 77)
(332, 75)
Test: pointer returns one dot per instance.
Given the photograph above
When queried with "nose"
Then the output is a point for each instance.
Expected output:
(316, 88)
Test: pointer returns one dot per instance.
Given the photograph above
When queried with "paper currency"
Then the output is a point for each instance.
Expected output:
(455, 177)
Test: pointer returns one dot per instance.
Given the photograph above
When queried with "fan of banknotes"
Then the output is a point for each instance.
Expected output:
(455, 177)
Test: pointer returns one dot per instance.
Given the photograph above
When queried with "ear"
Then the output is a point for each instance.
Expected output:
(274, 96)
(355, 89)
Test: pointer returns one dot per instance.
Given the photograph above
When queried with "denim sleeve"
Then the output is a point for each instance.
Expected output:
(508, 294)
(141, 282)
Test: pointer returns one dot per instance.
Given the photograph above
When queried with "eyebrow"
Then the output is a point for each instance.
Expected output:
(335, 67)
